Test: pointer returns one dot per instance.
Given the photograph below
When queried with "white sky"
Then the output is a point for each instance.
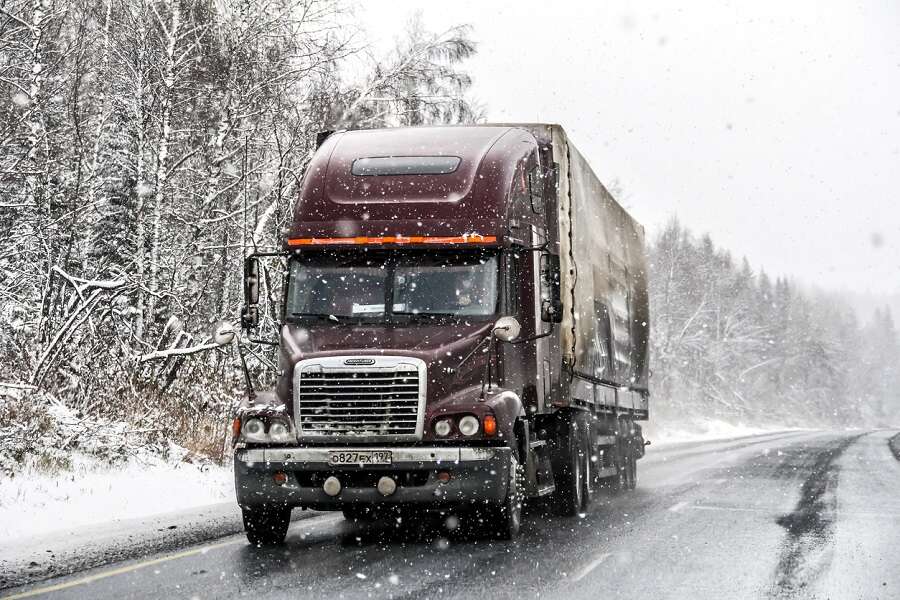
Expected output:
(775, 126)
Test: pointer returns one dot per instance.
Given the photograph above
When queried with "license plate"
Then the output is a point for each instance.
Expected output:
(365, 457)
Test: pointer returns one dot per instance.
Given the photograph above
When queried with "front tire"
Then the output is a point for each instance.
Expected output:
(506, 519)
(266, 524)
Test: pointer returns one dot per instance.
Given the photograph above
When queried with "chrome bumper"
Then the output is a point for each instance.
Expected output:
(400, 456)
(477, 475)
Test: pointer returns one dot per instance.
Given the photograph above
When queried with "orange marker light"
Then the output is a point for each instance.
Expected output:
(470, 238)
(236, 428)
(490, 425)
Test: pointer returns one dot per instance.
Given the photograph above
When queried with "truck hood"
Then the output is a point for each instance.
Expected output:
(440, 346)
(429, 342)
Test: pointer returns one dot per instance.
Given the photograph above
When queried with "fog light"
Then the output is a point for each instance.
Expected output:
(443, 476)
(387, 486)
(280, 478)
(332, 486)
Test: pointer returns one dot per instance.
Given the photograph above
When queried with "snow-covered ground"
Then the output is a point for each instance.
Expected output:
(92, 492)
(662, 433)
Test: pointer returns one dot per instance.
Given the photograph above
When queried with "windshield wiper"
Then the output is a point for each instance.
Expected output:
(425, 314)
(323, 317)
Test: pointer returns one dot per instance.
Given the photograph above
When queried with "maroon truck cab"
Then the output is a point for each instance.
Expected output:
(433, 350)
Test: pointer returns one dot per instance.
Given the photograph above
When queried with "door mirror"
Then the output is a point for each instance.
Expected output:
(506, 329)
(551, 299)
(250, 314)
(251, 281)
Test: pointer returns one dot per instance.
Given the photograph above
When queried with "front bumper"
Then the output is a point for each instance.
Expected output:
(477, 475)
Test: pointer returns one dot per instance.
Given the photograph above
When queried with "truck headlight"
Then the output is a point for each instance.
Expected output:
(468, 425)
(254, 431)
(443, 428)
(280, 431)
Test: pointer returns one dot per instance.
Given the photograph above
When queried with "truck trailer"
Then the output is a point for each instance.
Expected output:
(464, 327)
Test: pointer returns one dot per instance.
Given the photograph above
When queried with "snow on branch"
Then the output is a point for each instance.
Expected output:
(17, 386)
(161, 354)
(77, 313)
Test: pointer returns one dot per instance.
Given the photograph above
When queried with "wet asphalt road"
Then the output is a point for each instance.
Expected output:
(787, 515)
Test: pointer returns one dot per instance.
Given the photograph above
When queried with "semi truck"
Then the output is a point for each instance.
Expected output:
(463, 328)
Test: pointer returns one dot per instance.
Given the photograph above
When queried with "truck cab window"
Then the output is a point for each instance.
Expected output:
(341, 290)
(428, 284)
(450, 286)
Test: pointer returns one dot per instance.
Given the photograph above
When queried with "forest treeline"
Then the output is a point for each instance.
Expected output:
(147, 145)
(733, 344)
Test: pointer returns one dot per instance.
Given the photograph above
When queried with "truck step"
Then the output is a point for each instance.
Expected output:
(537, 444)
(545, 491)
(606, 440)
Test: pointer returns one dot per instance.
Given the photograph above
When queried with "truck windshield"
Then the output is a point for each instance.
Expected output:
(377, 286)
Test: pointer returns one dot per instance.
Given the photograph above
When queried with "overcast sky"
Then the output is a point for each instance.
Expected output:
(775, 126)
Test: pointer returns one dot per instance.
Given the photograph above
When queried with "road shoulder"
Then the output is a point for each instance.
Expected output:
(26, 561)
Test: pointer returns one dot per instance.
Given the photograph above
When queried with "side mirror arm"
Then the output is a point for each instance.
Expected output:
(532, 338)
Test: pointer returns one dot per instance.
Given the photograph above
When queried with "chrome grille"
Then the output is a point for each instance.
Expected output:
(384, 400)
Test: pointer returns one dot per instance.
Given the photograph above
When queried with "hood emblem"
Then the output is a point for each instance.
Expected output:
(359, 361)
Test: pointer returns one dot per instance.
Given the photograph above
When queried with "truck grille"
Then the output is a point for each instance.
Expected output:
(381, 401)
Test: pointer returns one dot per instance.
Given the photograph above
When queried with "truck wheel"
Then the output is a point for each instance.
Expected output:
(266, 524)
(618, 482)
(630, 469)
(570, 480)
(506, 518)
(588, 492)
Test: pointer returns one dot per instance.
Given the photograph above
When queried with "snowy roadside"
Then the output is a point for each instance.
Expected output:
(64, 551)
(96, 514)
(34, 503)
(662, 434)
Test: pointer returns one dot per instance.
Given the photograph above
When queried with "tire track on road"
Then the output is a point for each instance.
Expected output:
(894, 445)
(806, 551)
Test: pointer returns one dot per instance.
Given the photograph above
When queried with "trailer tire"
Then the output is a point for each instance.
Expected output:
(570, 478)
(618, 482)
(266, 524)
(630, 468)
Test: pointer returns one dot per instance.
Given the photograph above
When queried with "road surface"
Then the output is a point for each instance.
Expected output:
(785, 515)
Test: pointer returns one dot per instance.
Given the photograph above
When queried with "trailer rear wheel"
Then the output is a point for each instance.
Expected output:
(571, 478)
(630, 468)
(618, 482)
(266, 524)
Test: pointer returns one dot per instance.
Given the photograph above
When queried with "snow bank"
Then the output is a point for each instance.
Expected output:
(94, 492)
(37, 428)
(662, 433)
